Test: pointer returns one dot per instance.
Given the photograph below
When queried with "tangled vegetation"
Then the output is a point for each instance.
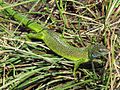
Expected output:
(30, 65)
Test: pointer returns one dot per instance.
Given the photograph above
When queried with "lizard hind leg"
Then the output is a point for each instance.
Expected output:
(35, 36)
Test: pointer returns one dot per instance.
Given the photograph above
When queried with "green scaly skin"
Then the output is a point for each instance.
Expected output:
(56, 44)
(52, 39)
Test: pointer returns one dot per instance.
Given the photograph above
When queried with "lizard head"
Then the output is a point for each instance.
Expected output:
(96, 51)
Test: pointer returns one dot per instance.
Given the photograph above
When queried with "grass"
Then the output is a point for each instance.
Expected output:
(29, 65)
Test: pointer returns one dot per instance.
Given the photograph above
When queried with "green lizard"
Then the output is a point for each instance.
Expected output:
(54, 41)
